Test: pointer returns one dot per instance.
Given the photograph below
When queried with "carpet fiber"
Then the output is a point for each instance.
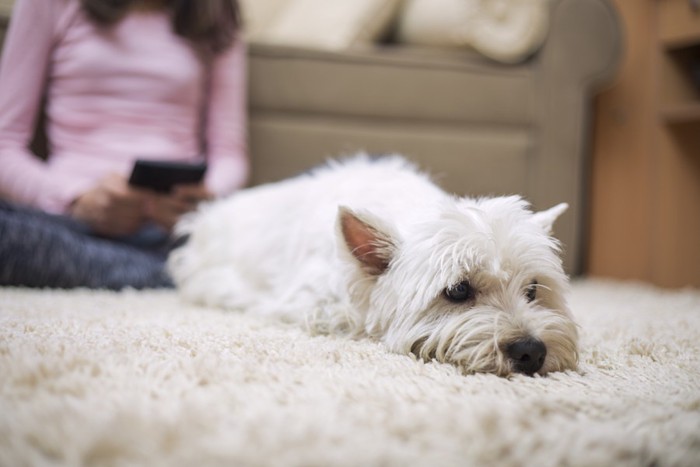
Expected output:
(100, 378)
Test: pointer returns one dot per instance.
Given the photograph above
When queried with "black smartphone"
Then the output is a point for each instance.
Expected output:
(161, 175)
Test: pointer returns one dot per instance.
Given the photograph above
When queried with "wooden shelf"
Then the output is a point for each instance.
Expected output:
(679, 22)
(688, 112)
(646, 164)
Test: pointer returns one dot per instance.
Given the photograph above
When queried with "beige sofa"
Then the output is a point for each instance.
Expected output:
(481, 128)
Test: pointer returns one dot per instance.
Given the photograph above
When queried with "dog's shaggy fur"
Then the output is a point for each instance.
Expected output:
(373, 248)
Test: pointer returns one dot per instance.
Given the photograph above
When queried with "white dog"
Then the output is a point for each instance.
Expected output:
(373, 248)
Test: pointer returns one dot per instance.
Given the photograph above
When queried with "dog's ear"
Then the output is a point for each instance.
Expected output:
(371, 245)
(545, 219)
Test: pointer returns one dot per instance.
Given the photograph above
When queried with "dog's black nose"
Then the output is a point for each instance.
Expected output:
(527, 355)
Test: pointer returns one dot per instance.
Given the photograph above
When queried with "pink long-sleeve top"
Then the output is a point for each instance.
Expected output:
(132, 91)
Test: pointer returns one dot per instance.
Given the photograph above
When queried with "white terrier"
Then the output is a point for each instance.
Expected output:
(373, 248)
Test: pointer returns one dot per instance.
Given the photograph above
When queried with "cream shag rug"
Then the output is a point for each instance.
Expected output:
(137, 378)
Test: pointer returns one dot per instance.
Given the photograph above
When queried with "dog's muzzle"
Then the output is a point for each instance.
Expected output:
(527, 355)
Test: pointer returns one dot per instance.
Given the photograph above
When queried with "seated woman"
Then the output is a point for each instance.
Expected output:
(119, 81)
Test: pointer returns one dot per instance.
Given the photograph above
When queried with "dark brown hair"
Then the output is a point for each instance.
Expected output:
(212, 24)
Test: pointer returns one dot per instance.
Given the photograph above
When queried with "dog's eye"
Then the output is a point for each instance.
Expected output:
(531, 293)
(460, 292)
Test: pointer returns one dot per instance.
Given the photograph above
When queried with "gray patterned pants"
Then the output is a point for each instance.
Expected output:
(44, 250)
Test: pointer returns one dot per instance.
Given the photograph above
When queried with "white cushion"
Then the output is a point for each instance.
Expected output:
(504, 30)
(259, 14)
(324, 24)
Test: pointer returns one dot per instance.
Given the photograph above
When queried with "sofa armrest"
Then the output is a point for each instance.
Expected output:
(584, 42)
(582, 52)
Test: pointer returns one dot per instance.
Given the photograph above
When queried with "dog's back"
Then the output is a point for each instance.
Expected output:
(274, 247)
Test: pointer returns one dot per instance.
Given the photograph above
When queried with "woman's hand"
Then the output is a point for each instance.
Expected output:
(112, 208)
(166, 209)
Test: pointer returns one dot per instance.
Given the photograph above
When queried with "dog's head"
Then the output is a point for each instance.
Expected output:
(478, 283)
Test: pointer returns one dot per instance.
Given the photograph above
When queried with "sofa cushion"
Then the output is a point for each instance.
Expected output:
(322, 24)
(465, 159)
(6, 8)
(392, 82)
(308, 105)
